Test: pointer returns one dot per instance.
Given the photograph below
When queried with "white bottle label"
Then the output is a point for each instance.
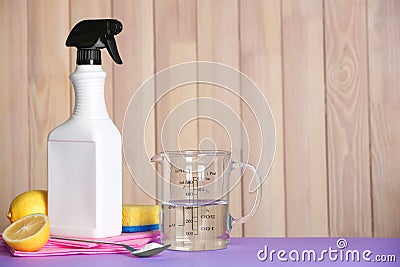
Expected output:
(72, 187)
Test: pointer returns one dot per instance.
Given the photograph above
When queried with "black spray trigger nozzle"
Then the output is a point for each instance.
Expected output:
(112, 49)
(89, 36)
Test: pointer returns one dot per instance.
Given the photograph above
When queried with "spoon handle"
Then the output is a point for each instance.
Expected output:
(87, 241)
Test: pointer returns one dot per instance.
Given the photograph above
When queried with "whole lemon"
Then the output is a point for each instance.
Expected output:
(30, 202)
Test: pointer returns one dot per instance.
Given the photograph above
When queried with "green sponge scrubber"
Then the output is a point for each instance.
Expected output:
(140, 218)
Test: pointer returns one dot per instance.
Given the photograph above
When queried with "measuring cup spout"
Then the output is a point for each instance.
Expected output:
(157, 158)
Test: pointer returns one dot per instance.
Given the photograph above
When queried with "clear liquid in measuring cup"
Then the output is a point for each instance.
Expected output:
(200, 225)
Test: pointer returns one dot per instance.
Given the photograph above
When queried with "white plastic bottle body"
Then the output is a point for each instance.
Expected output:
(85, 164)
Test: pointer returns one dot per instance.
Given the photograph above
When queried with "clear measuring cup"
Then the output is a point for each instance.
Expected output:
(192, 189)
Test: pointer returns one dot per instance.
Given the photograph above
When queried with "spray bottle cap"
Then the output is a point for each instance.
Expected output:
(89, 36)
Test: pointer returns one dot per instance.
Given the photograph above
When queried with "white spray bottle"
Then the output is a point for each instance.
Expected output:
(84, 153)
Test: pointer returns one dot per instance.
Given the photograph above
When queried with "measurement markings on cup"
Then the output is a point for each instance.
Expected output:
(195, 207)
(196, 216)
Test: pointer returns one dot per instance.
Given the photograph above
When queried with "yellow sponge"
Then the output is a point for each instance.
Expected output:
(140, 218)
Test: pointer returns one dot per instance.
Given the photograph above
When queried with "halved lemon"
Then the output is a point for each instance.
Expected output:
(29, 233)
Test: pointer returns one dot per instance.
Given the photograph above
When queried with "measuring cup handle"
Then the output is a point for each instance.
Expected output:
(235, 221)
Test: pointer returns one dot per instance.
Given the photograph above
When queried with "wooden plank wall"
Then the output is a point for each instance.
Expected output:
(304, 118)
(329, 68)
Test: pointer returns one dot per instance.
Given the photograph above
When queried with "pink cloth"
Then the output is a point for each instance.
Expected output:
(55, 247)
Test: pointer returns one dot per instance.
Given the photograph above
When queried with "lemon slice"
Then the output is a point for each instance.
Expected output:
(29, 233)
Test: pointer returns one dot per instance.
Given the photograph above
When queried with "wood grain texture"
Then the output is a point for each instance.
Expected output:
(14, 141)
(136, 46)
(217, 41)
(48, 70)
(94, 9)
(304, 115)
(384, 73)
(175, 42)
(260, 56)
(347, 118)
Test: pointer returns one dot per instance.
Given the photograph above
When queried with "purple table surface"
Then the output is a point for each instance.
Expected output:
(242, 252)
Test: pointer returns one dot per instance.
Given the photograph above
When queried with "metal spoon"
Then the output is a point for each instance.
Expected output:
(148, 250)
